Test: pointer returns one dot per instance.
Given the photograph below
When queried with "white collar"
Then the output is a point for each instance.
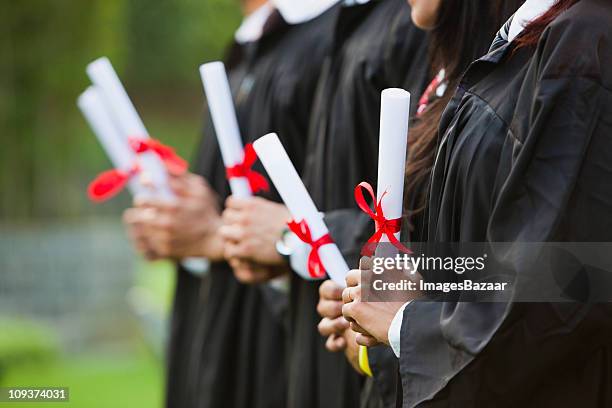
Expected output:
(252, 25)
(349, 3)
(301, 11)
(529, 11)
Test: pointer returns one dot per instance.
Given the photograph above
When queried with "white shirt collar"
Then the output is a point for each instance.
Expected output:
(252, 26)
(301, 11)
(349, 3)
(529, 11)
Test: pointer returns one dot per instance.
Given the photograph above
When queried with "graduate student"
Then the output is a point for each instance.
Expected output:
(227, 345)
(523, 156)
(375, 46)
(460, 32)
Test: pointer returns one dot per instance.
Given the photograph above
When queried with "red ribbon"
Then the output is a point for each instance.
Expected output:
(109, 183)
(173, 162)
(383, 225)
(257, 182)
(302, 230)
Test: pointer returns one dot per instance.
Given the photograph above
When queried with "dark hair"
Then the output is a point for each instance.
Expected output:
(532, 33)
(464, 31)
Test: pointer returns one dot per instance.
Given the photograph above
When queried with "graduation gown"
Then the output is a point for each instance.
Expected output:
(236, 357)
(191, 289)
(525, 155)
(375, 46)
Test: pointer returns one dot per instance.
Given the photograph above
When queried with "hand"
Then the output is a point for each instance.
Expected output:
(371, 320)
(346, 342)
(250, 273)
(252, 227)
(187, 227)
(333, 325)
(135, 221)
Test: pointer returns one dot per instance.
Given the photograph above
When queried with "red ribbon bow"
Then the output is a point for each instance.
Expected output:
(257, 182)
(109, 183)
(302, 230)
(173, 162)
(383, 225)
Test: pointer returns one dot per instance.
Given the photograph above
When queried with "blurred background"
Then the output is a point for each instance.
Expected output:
(77, 307)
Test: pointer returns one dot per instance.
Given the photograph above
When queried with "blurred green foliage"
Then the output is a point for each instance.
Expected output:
(47, 153)
(95, 381)
(25, 342)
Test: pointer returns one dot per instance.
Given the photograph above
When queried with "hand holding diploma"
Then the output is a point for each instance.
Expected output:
(251, 228)
(325, 257)
(186, 227)
(161, 225)
(370, 319)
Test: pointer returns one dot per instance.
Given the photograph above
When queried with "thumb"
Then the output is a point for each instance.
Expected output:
(365, 263)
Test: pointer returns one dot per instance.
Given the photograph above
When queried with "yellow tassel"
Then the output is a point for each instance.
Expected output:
(364, 362)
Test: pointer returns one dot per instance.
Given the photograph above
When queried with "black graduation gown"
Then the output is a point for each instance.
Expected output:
(525, 155)
(375, 46)
(237, 355)
(191, 290)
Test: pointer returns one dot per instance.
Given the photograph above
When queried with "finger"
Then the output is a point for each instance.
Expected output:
(164, 223)
(353, 277)
(179, 183)
(232, 233)
(365, 263)
(348, 311)
(145, 202)
(335, 343)
(329, 308)
(232, 216)
(351, 294)
(234, 262)
(328, 326)
(346, 295)
(237, 203)
(330, 290)
(357, 328)
(234, 249)
(364, 340)
(130, 216)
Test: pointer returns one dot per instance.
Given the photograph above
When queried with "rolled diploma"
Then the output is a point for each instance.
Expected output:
(124, 114)
(393, 142)
(392, 145)
(221, 105)
(298, 201)
(116, 146)
(123, 158)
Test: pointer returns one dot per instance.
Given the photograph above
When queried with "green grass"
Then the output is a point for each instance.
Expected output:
(95, 381)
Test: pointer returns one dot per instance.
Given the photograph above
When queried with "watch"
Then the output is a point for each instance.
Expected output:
(283, 246)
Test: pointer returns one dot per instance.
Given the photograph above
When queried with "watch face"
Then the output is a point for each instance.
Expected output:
(283, 245)
(282, 248)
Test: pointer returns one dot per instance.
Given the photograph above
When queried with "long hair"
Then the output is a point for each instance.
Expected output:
(464, 32)
(532, 33)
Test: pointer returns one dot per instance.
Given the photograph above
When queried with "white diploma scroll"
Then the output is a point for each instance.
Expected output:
(295, 196)
(121, 155)
(393, 142)
(124, 114)
(221, 105)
